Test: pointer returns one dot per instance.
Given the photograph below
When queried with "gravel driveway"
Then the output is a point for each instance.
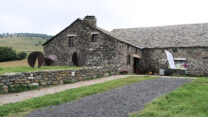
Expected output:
(118, 102)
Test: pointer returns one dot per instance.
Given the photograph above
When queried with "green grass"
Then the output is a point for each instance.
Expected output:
(190, 100)
(9, 69)
(23, 44)
(61, 97)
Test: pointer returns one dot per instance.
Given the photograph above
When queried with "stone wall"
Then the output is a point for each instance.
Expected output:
(53, 77)
(107, 50)
(97, 53)
(196, 57)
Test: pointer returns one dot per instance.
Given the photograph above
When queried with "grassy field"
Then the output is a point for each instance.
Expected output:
(19, 108)
(23, 44)
(22, 66)
(190, 100)
(11, 69)
(14, 63)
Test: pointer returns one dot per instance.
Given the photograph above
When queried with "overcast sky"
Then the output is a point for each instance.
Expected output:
(51, 16)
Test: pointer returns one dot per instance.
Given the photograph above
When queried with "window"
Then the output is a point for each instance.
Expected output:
(175, 50)
(128, 60)
(71, 41)
(180, 63)
(128, 48)
(94, 37)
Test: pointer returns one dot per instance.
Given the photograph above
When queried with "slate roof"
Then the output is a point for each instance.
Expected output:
(186, 35)
(98, 28)
(112, 35)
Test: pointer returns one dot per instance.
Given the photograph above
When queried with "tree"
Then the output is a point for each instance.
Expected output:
(7, 54)
(22, 55)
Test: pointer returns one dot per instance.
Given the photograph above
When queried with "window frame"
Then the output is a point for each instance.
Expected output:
(128, 59)
(94, 38)
(71, 41)
(180, 63)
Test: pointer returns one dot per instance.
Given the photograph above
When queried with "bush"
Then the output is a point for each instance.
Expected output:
(1, 89)
(21, 88)
(99, 76)
(68, 81)
(125, 71)
(8, 54)
(22, 55)
(168, 72)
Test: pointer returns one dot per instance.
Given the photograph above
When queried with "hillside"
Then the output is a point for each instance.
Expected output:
(26, 44)
(30, 35)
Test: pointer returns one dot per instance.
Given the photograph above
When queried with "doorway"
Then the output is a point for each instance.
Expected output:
(79, 59)
(137, 69)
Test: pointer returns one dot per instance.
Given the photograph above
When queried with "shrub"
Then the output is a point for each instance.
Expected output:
(110, 73)
(22, 55)
(1, 89)
(124, 71)
(99, 76)
(68, 81)
(21, 88)
(7, 54)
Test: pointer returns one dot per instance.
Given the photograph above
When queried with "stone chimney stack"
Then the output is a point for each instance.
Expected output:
(90, 19)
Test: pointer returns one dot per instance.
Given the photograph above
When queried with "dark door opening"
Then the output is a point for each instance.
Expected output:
(75, 59)
(79, 59)
(137, 69)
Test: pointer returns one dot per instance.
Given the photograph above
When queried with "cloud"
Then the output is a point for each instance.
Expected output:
(13, 23)
(51, 16)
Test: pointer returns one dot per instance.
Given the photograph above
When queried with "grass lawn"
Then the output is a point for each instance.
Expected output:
(9, 69)
(190, 100)
(20, 108)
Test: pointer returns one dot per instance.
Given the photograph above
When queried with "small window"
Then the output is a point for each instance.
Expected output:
(180, 63)
(94, 37)
(128, 60)
(71, 41)
(175, 50)
(128, 48)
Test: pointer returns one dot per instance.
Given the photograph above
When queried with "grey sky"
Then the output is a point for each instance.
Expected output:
(51, 16)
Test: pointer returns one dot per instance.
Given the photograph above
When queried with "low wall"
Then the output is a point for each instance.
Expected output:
(12, 81)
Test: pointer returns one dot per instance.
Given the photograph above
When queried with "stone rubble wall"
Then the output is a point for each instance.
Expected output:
(54, 77)
(196, 59)
(106, 50)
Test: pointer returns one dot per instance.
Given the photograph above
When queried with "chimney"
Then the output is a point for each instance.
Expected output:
(90, 19)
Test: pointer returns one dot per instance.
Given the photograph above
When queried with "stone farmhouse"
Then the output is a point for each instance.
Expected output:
(134, 49)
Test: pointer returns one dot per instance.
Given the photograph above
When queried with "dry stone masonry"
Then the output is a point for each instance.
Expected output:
(53, 77)
(138, 50)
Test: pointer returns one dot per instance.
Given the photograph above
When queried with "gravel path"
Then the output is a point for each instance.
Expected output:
(114, 103)
(16, 97)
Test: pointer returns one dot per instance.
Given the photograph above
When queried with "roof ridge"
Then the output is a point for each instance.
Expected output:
(173, 25)
(111, 34)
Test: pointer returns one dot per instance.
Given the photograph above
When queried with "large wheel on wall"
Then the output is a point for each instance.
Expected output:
(35, 56)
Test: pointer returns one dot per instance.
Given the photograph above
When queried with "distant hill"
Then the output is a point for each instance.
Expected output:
(26, 42)
(37, 35)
